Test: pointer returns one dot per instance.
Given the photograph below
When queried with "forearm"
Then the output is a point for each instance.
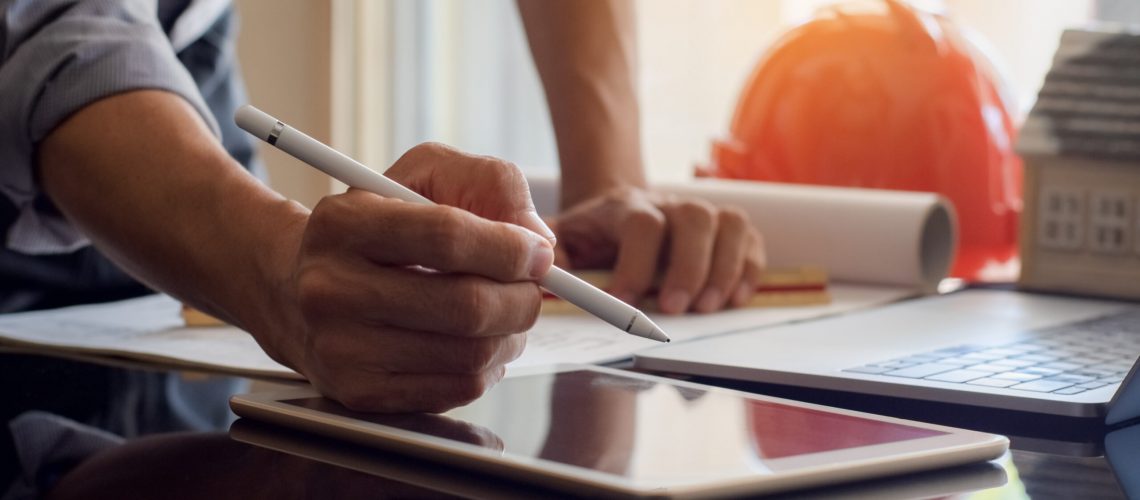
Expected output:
(142, 176)
(585, 53)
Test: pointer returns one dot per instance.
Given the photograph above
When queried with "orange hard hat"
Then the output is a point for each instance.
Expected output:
(884, 95)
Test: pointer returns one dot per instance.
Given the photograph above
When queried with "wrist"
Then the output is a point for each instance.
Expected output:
(266, 307)
(577, 187)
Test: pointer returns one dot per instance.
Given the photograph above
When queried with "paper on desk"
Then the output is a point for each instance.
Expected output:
(893, 244)
(581, 338)
(150, 329)
(147, 328)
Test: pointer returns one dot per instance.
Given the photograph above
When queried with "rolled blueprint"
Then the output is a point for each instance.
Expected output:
(858, 235)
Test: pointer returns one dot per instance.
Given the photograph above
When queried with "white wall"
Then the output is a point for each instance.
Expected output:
(284, 51)
(458, 71)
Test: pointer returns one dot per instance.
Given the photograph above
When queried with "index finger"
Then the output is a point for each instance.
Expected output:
(447, 239)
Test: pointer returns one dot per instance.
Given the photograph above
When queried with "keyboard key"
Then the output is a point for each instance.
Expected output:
(1083, 360)
(919, 358)
(1024, 348)
(922, 371)
(1002, 351)
(1094, 373)
(1038, 370)
(1036, 358)
(992, 382)
(958, 361)
(1070, 378)
(1018, 376)
(1083, 345)
(958, 376)
(1068, 391)
(869, 369)
(992, 368)
(1015, 363)
(982, 356)
(1042, 386)
(1060, 365)
(1096, 384)
(962, 349)
(896, 364)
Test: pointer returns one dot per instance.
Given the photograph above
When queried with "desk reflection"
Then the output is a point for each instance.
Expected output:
(262, 461)
(212, 465)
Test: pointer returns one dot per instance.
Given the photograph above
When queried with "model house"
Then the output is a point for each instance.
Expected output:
(1080, 229)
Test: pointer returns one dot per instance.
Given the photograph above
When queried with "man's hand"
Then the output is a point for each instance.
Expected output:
(384, 305)
(407, 307)
(712, 257)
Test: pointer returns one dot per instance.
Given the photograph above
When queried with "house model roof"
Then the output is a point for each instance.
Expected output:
(1089, 105)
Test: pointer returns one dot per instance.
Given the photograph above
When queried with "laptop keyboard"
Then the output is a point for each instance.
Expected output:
(1067, 359)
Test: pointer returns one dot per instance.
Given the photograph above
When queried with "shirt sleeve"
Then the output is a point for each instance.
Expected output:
(57, 56)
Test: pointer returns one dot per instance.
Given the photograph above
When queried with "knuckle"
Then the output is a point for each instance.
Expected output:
(532, 309)
(733, 217)
(316, 291)
(514, 175)
(468, 388)
(507, 176)
(444, 237)
(693, 211)
(480, 355)
(519, 347)
(470, 307)
(645, 220)
(328, 213)
(503, 169)
(430, 148)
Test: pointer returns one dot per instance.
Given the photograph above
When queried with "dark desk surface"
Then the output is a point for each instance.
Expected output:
(285, 464)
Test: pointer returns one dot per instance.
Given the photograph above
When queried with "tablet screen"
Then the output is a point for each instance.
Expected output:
(640, 429)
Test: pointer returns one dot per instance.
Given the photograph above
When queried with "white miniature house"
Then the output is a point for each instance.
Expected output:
(1080, 228)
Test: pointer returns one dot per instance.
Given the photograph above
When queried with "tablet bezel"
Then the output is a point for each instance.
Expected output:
(955, 447)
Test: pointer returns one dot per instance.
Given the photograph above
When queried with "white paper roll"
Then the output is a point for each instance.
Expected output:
(858, 235)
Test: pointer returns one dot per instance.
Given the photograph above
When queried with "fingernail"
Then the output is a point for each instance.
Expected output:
(743, 294)
(710, 300)
(541, 258)
(532, 221)
(674, 301)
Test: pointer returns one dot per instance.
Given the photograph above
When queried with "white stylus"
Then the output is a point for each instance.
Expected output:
(353, 173)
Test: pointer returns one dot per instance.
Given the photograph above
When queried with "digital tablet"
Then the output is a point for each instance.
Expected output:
(593, 430)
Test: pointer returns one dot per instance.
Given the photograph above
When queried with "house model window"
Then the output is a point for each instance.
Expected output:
(1080, 229)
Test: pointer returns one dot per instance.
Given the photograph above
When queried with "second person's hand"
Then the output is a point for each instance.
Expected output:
(710, 257)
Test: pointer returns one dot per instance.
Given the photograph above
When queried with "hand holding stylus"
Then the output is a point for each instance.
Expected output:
(414, 306)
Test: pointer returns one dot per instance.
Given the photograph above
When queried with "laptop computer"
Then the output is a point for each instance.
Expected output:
(1003, 349)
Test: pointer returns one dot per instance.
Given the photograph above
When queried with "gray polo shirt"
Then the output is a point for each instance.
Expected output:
(57, 56)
